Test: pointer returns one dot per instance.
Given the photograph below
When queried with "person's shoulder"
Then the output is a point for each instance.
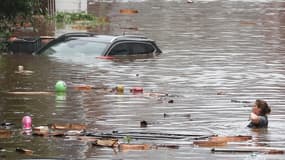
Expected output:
(263, 118)
(263, 121)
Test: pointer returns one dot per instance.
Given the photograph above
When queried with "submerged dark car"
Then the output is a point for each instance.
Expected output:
(93, 45)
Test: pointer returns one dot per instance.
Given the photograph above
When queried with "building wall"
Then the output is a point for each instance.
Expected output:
(71, 5)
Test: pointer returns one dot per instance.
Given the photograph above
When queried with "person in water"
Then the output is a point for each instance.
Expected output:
(258, 116)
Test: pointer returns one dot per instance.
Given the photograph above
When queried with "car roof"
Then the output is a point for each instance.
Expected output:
(105, 38)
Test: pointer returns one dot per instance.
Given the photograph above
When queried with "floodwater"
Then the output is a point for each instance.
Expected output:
(217, 55)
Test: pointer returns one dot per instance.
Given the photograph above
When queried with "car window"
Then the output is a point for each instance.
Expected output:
(131, 48)
(120, 49)
(76, 46)
(142, 48)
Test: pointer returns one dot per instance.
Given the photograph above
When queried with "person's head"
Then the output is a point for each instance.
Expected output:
(261, 108)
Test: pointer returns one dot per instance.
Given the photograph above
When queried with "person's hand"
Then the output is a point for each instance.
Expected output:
(254, 118)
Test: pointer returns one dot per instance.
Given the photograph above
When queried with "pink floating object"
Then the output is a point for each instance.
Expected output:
(27, 122)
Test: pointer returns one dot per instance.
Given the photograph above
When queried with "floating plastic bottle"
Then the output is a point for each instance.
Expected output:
(27, 124)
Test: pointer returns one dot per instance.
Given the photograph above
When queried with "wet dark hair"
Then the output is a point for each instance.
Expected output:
(265, 109)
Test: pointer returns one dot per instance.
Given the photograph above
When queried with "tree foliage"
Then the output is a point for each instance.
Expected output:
(14, 12)
(10, 9)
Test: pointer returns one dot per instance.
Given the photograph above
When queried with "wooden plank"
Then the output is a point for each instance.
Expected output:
(239, 138)
(31, 93)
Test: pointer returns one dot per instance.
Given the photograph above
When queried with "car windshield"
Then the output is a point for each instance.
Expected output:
(75, 47)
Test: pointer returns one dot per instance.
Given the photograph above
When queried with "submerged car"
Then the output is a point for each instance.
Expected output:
(99, 46)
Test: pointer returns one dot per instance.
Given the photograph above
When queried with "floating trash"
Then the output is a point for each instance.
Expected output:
(27, 123)
(24, 151)
(106, 142)
(120, 88)
(60, 86)
(22, 71)
(128, 11)
(136, 90)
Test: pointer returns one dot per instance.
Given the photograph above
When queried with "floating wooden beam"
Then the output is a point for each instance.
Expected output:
(31, 93)
(134, 146)
(68, 126)
(239, 138)
(209, 143)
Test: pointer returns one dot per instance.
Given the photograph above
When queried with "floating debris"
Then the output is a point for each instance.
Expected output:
(221, 141)
(68, 126)
(221, 93)
(27, 123)
(119, 88)
(171, 146)
(136, 90)
(124, 147)
(171, 101)
(106, 142)
(24, 151)
(143, 124)
(128, 11)
(7, 124)
(237, 101)
(83, 87)
(87, 138)
(4, 133)
(127, 147)
(31, 93)
(231, 138)
(49, 133)
(23, 72)
(60, 86)
(210, 143)
(248, 150)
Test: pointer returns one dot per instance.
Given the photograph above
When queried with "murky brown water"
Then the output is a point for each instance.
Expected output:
(210, 47)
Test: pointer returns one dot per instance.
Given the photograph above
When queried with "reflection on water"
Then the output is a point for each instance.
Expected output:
(225, 52)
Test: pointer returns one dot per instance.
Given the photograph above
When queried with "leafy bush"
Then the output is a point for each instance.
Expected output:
(66, 17)
(14, 12)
